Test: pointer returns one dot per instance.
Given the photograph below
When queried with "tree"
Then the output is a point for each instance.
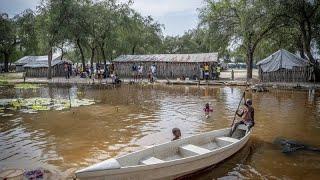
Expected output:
(245, 22)
(52, 23)
(304, 16)
(8, 38)
(26, 31)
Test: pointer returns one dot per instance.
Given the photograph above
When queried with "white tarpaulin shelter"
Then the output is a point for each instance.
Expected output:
(281, 59)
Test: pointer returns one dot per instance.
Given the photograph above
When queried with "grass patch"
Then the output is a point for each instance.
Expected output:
(26, 86)
(3, 82)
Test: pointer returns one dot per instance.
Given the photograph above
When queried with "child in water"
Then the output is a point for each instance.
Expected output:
(176, 133)
(207, 109)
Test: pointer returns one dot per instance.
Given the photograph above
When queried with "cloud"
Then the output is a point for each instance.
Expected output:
(13, 7)
(178, 16)
(162, 7)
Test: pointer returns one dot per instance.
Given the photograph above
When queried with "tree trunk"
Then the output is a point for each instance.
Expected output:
(133, 50)
(300, 47)
(6, 61)
(92, 56)
(49, 64)
(306, 32)
(103, 56)
(82, 55)
(249, 64)
(62, 53)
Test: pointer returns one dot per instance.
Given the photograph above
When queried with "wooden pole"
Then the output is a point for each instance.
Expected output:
(235, 114)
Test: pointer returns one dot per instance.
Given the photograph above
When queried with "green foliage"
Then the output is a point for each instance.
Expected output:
(31, 105)
(3, 82)
(26, 86)
(245, 30)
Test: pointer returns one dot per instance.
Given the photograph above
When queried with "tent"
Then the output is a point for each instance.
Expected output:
(285, 67)
(281, 59)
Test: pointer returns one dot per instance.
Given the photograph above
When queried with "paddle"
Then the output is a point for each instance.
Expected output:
(235, 114)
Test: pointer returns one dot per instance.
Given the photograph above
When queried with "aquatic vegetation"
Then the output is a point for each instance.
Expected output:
(40, 108)
(3, 82)
(32, 105)
(26, 86)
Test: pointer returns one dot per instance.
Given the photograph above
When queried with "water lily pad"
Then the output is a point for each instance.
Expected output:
(32, 105)
(40, 108)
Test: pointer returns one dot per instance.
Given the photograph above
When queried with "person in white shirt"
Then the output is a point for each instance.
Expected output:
(140, 71)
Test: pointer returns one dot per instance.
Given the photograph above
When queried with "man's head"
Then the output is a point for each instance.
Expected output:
(249, 102)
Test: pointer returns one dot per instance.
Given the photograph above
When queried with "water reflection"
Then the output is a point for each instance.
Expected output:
(130, 117)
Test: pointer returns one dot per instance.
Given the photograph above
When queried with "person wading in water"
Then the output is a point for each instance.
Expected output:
(247, 115)
(176, 133)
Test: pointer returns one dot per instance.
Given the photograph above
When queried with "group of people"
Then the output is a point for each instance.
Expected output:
(205, 71)
(246, 113)
(93, 72)
(138, 72)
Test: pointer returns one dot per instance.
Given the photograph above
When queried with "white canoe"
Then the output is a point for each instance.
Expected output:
(172, 159)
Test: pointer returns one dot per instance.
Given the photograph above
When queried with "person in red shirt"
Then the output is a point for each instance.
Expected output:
(207, 109)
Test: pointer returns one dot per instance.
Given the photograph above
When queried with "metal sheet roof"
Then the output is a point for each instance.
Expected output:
(44, 63)
(198, 58)
(30, 59)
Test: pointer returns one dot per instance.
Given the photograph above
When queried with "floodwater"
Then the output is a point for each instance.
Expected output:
(128, 118)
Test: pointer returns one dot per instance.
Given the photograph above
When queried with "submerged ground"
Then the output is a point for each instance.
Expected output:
(130, 117)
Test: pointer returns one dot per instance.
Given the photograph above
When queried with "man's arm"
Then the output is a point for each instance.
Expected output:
(240, 114)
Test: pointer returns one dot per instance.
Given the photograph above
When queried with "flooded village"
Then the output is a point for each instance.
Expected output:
(113, 90)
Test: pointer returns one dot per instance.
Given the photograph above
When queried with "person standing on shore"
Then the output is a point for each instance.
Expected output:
(218, 70)
(153, 71)
(206, 71)
(134, 71)
(66, 70)
(140, 71)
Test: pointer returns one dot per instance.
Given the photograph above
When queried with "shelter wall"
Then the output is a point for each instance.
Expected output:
(297, 74)
(57, 71)
(19, 68)
(164, 69)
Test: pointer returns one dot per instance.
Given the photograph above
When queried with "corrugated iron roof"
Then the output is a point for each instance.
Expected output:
(201, 57)
(44, 63)
(29, 59)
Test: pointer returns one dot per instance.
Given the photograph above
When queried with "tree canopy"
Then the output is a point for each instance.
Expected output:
(98, 31)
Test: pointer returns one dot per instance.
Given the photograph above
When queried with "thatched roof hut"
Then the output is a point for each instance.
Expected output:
(283, 66)
(168, 65)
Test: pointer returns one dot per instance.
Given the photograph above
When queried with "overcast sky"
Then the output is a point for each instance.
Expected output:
(177, 15)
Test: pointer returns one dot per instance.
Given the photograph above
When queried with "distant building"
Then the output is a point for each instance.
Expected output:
(29, 59)
(37, 66)
(168, 65)
(283, 66)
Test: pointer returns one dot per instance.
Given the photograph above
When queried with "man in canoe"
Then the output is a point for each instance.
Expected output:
(246, 114)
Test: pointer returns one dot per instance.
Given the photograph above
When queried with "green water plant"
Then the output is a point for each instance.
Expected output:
(32, 105)
(3, 82)
(26, 86)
